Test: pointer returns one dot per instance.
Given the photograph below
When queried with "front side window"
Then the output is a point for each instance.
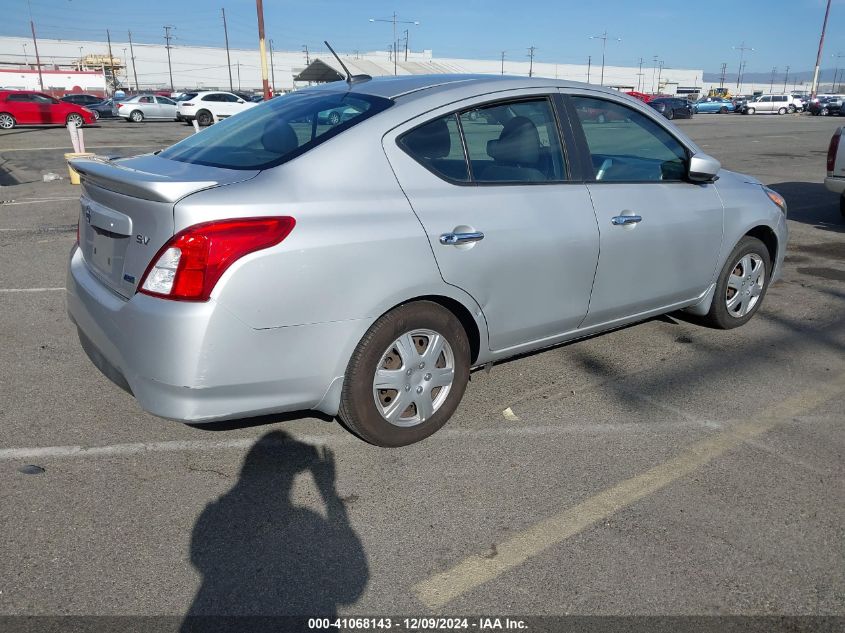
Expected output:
(437, 146)
(513, 142)
(145, 100)
(628, 145)
(165, 101)
(275, 131)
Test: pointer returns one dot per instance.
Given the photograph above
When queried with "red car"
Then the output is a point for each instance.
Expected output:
(26, 107)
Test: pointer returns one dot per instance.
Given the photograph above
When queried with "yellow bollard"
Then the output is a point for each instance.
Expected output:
(74, 176)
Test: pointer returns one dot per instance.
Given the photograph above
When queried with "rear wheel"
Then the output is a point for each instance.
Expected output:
(7, 121)
(741, 286)
(204, 118)
(136, 116)
(407, 375)
(75, 119)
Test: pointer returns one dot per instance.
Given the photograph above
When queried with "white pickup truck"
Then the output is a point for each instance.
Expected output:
(835, 180)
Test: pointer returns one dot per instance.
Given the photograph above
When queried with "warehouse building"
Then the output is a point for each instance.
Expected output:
(145, 66)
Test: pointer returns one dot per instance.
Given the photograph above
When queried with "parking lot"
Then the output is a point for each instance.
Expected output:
(662, 469)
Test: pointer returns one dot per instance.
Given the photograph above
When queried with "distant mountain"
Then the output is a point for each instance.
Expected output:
(825, 75)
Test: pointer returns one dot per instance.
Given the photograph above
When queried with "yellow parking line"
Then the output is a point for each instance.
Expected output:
(477, 570)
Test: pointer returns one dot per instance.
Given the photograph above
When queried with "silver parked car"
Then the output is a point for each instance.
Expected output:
(464, 220)
(141, 107)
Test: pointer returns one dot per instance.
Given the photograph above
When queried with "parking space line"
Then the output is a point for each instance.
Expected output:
(333, 439)
(31, 289)
(67, 149)
(40, 200)
(477, 570)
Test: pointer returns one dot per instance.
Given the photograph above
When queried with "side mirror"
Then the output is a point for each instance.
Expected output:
(240, 100)
(703, 168)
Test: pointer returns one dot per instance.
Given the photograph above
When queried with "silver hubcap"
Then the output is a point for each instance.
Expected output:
(137, 116)
(414, 377)
(745, 285)
(6, 121)
(76, 120)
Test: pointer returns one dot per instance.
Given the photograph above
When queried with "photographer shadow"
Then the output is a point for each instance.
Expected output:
(261, 556)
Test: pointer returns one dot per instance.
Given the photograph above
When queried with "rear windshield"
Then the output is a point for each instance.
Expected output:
(277, 130)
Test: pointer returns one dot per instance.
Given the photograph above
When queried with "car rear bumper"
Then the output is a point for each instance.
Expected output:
(197, 362)
(835, 184)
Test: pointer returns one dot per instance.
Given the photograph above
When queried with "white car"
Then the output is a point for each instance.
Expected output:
(207, 107)
(773, 104)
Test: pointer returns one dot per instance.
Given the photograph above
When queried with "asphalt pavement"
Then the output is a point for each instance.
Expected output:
(662, 469)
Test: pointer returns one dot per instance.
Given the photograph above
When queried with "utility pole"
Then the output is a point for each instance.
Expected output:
(653, 74)
(37, 56)
(640, 75)
(772, 82)
(272, 69)
(503, 62)
(406, 44)
(307, 58)
(742, 72)
(394, 20)
(228, 59)
(659, 74)
(741, 48)
(785, 79)
(265, 81)
(589, 64)
(111, 65)
(722, 75)
(167, 38)
(531, 50)
(132, 53)
(815, 87)
(603, 38)
(239, 75)
(838, 56)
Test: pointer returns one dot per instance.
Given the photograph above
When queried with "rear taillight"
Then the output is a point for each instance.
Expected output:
(190, 264)
(831, 151)
(119, 105)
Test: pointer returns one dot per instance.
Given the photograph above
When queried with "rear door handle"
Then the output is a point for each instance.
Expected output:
(454, 239)
(622, 220)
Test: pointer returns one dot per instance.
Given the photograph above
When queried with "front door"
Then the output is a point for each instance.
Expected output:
(660, 234)
(491, 188)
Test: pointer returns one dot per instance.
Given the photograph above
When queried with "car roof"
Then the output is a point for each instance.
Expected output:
(413, 86)
(211, 92)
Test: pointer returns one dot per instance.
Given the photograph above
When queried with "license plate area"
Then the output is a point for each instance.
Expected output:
(107, 252)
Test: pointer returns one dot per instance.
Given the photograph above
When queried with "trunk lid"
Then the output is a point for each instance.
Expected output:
(126, 211)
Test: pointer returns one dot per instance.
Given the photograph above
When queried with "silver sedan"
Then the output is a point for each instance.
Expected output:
(279, 262)
(147, 107)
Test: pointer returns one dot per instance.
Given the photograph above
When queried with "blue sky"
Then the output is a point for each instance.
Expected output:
(683, 34)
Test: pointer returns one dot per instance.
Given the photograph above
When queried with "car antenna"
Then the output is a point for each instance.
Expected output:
(350, 78)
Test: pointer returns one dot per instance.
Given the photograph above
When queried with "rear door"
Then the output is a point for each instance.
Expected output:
(24, 108)
(506, 221)
(660, 235)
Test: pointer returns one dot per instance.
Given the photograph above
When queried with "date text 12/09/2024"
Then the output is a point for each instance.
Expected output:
(418, 624)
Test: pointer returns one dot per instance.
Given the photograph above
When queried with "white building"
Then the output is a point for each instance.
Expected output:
(206, 67)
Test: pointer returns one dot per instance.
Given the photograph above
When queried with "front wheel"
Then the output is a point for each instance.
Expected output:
(670, 114)
(741, 286)
(749, 111)
(781, 110)
(75, 119)
(407, 375)
(96, 115)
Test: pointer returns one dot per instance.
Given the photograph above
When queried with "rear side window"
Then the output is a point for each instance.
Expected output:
(277, 130)
(513, 142)
(437, 145)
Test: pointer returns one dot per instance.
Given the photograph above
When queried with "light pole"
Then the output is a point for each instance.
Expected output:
(394, 20)
(659, 74)
(772, 82)
(838, 56)
(815, 87)
(741, 48)
(653, 74)
(603, 38)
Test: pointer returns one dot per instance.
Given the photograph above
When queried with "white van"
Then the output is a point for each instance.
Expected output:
(773, 104)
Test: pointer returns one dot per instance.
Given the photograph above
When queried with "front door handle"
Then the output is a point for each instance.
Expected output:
(454, 239)
(623, 220)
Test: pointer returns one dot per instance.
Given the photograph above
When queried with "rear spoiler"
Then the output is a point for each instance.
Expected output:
(135, 182)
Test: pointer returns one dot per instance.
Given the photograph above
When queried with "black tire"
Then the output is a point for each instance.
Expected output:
(670, 114)
(723, 110)
(136, 116)
(719, 316)
(358, 408)
(204, 118)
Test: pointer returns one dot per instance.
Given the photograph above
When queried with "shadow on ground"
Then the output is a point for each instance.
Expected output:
(260, 555)
(811, 203)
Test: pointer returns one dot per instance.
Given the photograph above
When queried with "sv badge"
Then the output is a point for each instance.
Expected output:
(142, 239)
